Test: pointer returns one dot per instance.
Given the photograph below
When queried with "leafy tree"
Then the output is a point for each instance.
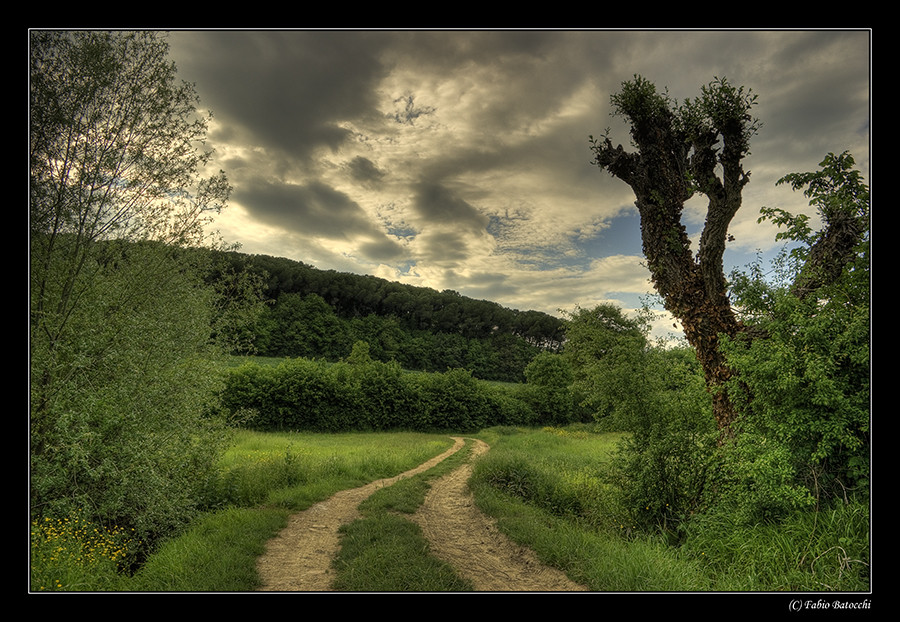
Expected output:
(607, 353)
(809, 378)
(121, 321)
(549, 377)
(654, 394)
(303, 326)
(680, 151)
(841, 199)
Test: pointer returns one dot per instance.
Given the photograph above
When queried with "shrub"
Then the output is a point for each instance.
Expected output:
(549, 390)
(455, 400)
(361, 394)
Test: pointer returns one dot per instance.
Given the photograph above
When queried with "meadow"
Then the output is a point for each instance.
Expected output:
(547, 487)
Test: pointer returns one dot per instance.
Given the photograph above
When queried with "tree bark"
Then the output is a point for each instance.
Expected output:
(669, 166)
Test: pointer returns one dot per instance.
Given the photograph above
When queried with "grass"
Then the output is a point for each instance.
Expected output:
(546, 490)
(386, 552)
(295, 470)
(264, 478)
(544, 487)
(218, 554)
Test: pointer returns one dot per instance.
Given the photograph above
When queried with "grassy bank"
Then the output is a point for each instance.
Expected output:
(546, 488)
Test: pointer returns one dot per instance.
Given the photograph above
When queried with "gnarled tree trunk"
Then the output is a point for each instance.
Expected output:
(677, 156)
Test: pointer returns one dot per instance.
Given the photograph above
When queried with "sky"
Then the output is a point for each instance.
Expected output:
(461, 159)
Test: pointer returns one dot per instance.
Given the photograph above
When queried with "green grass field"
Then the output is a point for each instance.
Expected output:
(543, 486)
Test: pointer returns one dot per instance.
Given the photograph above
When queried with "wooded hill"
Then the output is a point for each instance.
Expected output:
(318, 313)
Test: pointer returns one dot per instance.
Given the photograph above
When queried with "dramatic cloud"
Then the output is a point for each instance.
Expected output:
(461, 160)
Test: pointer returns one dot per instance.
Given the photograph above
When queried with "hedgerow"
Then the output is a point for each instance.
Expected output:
(360, 394)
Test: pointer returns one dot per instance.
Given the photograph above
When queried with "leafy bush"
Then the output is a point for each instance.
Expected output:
(361, 394)
(755, 481)
(805, 386)
(454, 400)
(125, 422)
(549, 389)
(510, 406)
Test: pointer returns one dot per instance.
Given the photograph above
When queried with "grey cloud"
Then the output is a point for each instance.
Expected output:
(445, 247)
(284, 90)
(315, 210)
(364, 170)
(382, 249)
(438, 205)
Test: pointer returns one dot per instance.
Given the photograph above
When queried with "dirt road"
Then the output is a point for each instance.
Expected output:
(299, 557)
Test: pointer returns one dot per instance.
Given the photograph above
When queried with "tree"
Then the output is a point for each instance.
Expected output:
(121, 319)
(606, 352)
(841, 199)
(680, 151)
(805, 387)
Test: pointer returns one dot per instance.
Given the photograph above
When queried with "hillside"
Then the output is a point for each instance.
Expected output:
(320, 314)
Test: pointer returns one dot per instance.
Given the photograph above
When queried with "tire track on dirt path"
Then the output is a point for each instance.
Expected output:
(462, 536)
(299, 557)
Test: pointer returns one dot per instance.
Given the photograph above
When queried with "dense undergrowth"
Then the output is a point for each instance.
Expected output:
(554, 490)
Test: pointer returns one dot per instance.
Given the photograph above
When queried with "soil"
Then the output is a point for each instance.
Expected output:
(299, 557)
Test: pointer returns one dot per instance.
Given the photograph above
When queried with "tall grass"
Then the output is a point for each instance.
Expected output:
(262, 479)
(548, 490)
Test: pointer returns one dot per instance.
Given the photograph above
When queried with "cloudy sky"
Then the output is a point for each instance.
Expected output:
(460, 159)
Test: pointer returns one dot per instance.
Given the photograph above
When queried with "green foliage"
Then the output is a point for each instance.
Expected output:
(124, 425)
(549, 389)
(363, 394)
(656, 395)
(663, 468)
(805, 386)
(74, 554)
(216, 554)
(755, 481)
(302, 327)
(454, 400)
(551, 490)
(823, 550)
(387, 553)
(606, 353)
(836, 189)
(264, 477)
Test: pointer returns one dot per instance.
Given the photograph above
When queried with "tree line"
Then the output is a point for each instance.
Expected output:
(317, 313)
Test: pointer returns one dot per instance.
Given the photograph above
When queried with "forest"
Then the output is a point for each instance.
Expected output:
(320, 314)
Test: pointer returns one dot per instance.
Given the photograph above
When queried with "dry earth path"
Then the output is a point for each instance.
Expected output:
(462, 536)
(299, 557)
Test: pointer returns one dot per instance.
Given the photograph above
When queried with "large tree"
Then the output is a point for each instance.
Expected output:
(120, 319)
(698, 147)
(682, 150)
